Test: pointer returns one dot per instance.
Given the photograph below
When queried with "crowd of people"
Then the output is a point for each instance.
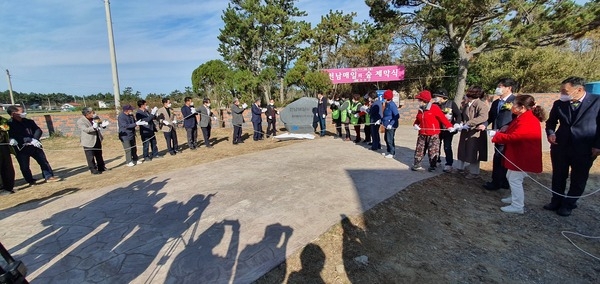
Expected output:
(512, 122)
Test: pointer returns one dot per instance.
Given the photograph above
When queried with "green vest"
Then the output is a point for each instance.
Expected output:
(354, 113)
(344, 111)
(335, 114)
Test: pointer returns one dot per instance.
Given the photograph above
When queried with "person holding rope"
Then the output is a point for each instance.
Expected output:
(472, 145)
(574, 145)
(147, 131)
(237, 119)
(375, 113)
(190, 122)
(356, 119)
(257, 120)
(7, 171)
(25, 138)
(522, 142)
(206, 118)
(390, 122)
(321, 112)
(427, 122)
(168, 123)
(91, 140)
(453, 114)
(271, 114)
(127, 126)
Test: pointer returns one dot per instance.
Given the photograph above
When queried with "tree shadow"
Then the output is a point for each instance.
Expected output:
(111, 239)
(269, 252)
(312, 259)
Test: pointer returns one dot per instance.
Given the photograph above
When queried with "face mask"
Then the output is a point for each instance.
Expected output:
(565, 97)
(192, 104)
(169, 105)
(436, 100)
(95, 116)
(207, 105)
(23, 115)
(498, 91)
(272, 104)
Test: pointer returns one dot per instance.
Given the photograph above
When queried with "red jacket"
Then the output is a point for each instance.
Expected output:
(429, 120)
(522, 143)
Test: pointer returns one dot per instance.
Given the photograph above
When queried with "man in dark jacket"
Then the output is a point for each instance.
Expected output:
(500, 115)
(454, 115)
(321, 112)
(237, 119)
(257, 120)
(7, 171)
(375, 113)
(190, 122)
(147, 132)
(127, 126)
(25, 138)
(271, 114)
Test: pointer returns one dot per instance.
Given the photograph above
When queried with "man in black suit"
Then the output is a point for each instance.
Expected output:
(321, 112)
(499, 116)
(271, 114)
(575, 144)
(257, 120)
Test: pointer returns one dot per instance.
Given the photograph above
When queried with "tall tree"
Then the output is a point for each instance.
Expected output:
(476, 26)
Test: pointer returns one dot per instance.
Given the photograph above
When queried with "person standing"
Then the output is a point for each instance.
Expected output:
(147, 132)
(364, 110)
(321, 112)
(168, 123)
(257, 120)
(345, 113)
(206, 118)
(390, 122)
(336, 116)
(237, 119)
(91, 139)
(522, 142)
(355, 116)
(453, 114)
(190, 122)
(499, 116)
(271, 114)
(127, 126)
(427, 122)
(472, 145)
(574, 145)
(7, 171)
(376, 113)
(25, 138)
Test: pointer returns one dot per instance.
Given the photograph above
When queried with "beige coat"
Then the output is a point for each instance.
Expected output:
(88, 133)
(472, 145)
(162, 113)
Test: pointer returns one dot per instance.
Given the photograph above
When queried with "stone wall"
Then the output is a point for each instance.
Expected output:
(65, 124)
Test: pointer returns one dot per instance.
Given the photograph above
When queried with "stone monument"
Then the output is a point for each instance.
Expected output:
(300, 115)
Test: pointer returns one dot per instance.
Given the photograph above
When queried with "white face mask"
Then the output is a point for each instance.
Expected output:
(565, 97)
(436, 100)
(207, 105)
(192, 104)
(23, 115)
(169, 105)
(498, 91)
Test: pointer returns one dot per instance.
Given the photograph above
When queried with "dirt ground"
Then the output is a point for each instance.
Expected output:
(449, 229)
(443, 229)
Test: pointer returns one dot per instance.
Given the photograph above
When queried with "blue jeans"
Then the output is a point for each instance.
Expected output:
(149, 143)
(389, 140)
(322, 125)
(39, 156)
(375, 139)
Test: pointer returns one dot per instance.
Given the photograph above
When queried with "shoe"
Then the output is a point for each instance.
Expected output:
(158, 157)
(416, 168)
(369, 143)
(172, 153)
(490, 186)
(131, 164)
(471, 176)
(512, 209)
(564, 211)
(138, 162)
(104, 169)
(388, 156)
(52, 179)
(6, 192)
(507, 200)
(209, 146)
(447, 169)
(96, 172)
(193, 149)
(431, 169)
(552, 206)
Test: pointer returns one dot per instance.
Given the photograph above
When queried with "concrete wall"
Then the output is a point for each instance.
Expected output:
(66, 123)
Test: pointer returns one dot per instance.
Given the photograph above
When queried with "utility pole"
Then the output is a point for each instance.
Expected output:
(12, 99)
(113, 57)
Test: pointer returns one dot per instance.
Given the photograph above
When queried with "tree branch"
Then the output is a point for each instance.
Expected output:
(432, 4)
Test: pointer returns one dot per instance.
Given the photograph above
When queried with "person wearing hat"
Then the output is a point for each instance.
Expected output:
(375, 113)
(390, 122)
(91, 139)
(453, 114)
(472, 145)
(427, 122)
(127, 126)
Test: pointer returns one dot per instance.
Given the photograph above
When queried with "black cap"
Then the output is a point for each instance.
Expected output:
(440, 93)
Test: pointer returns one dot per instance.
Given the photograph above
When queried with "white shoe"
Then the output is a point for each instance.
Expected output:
(447, 169)
(382, 154)
(507, 200)
(389, 156)
(139, 162)
(131, 164)
(512, 209)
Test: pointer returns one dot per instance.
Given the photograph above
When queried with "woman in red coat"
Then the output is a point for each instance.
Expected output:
(522, 140)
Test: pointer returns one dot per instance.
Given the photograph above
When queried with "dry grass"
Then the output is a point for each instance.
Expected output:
(68, 162)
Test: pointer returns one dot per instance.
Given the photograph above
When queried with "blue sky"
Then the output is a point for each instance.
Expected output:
(62, 45)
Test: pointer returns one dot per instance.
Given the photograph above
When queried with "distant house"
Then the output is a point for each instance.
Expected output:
(102, 104)
(67, 107)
